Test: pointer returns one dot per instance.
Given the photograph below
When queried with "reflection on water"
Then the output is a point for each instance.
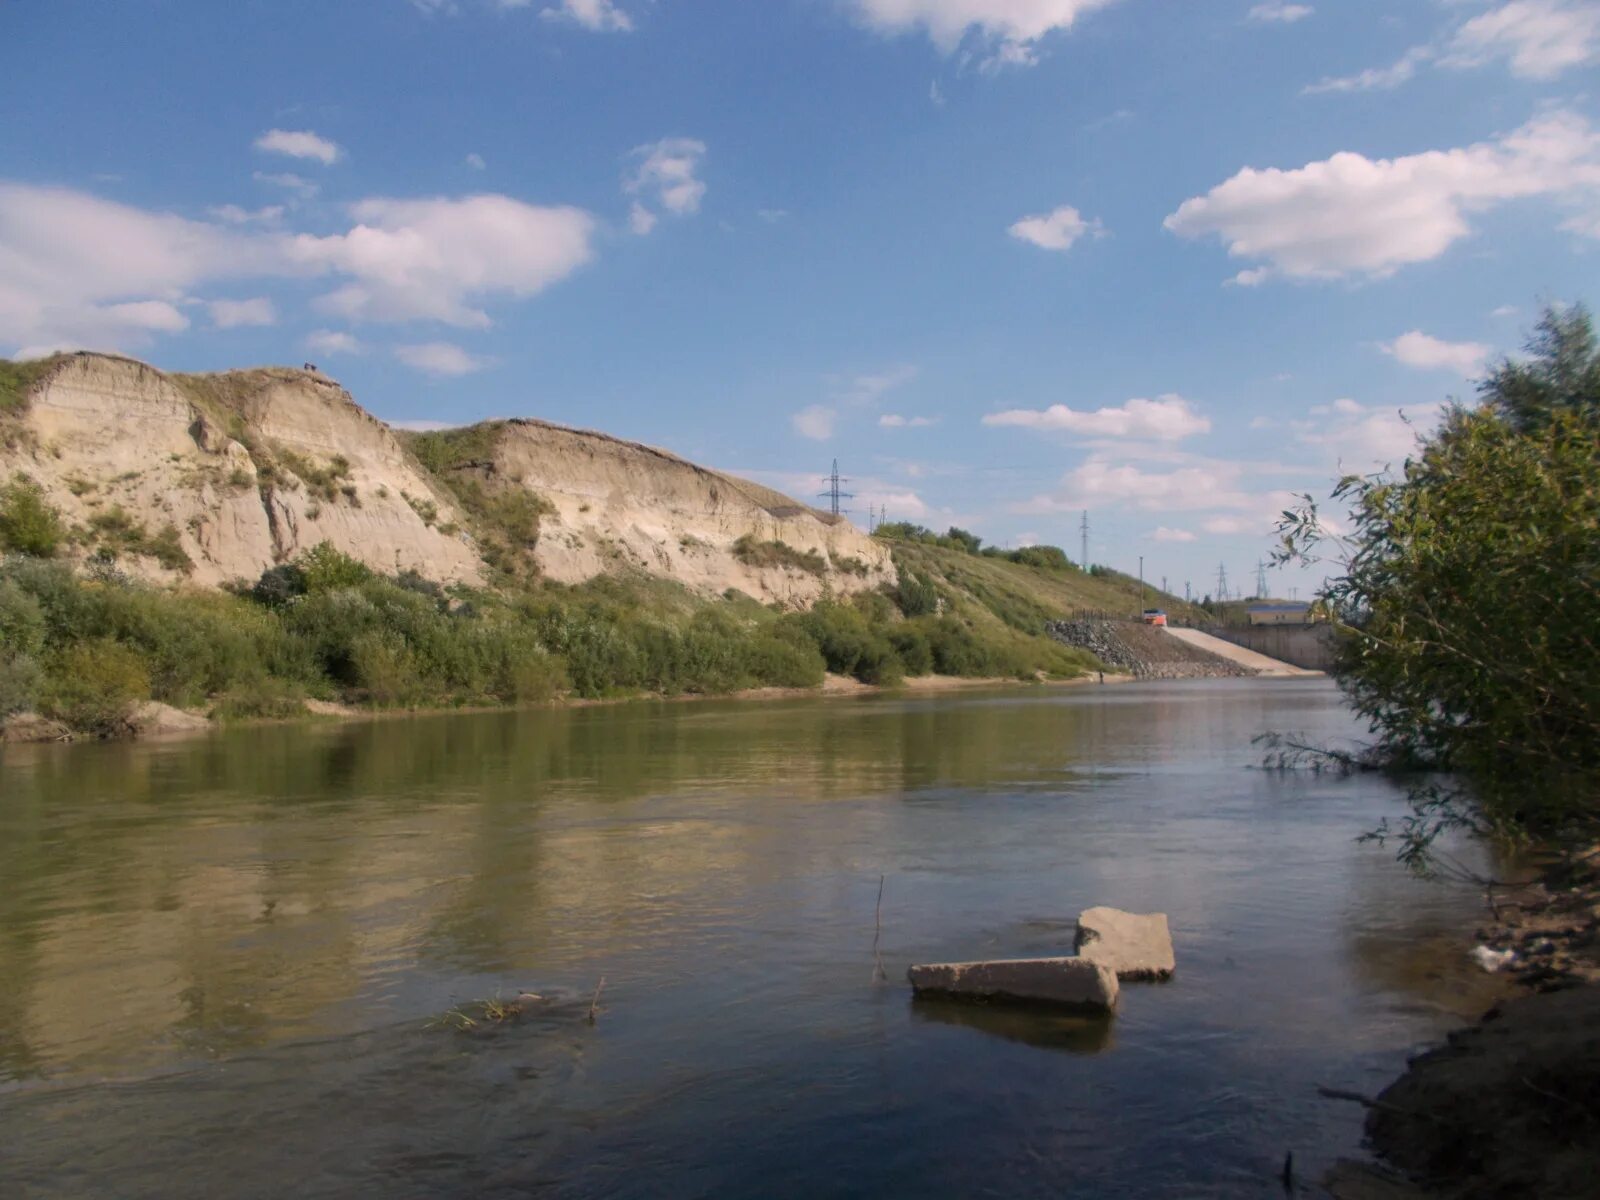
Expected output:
(221, 957)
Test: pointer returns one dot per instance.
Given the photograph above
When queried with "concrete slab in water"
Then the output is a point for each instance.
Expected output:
(1069, 981)
(1134, 945)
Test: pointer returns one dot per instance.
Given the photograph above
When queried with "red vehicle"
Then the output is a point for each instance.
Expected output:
(1155, 616)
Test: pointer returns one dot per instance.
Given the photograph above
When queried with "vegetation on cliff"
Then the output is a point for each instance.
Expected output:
(1469, 592)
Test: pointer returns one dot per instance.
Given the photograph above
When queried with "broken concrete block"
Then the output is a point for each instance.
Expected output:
(1134, 945)
(1068, 981)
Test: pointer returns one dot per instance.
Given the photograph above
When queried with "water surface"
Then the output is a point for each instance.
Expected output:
(221, 960)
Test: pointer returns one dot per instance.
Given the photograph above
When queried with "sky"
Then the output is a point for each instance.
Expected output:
(1168, 261)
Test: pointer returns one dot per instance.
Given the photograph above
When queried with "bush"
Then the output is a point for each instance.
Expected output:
(28, 525)
(778, 554)
(326, 568)
(915, 594)
(384, 668)
(95, 685)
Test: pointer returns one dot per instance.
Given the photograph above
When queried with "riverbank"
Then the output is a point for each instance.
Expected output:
(160, 721)
(1510, 1106)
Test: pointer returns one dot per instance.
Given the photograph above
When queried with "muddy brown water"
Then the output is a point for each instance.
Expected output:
(221, 959)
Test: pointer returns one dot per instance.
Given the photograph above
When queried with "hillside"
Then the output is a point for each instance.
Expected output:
(215, 478)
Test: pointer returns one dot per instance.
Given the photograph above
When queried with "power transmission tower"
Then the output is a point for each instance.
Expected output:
(1222, 583)
(1261, 579)
(833, 493)
(1083, 528)
(1163, 583)
(1187, 598)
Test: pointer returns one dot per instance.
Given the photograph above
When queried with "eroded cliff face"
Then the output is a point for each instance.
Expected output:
(621, 505)
(234, 472)
(212, 478)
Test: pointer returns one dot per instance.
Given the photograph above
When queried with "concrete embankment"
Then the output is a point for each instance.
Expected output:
(1308, 646)
(1143, 650)
(1253, 661)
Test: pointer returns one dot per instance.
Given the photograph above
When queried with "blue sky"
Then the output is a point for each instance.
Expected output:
(1006, 259)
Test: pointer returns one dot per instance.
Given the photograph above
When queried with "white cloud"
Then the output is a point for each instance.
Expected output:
(1162, 533)
(640, 219)
(1280, 12)
(1505, 310)
(1418, 349)
(299, 185)
(815, 422)
(668, 170)
(1351, 215)
(1101, 481)
(1374, 78)
(772, 216)
(79, 270)
(1057, 229)
(234, 215)
(436, 259)
(475, 161)
(1167, 418)
(597, 16)
(233, 314)
(332, 341)
(896, 421)
(440, 358)
(76, 270)
(1363, 438)
(1539, 39)
(1008, 29)
(872, 386)
(301, 143)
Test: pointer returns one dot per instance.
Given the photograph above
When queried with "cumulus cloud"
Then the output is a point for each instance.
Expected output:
(1007, 30)
(1351, 215)
(1280, 12)
(1162, 533)
(1167, 418)
(668, 171)
(333, 341)
(1362, 438)
(475, 161)
(234, 314)
(300, 143)
(897, 421)
(439, 258)
(1202, 487)
(1418, 349)
(1057, 229)
(440, 358)
(597, 16)
(815, 422)
(1537, 39)
(77, 270)
(640, 219)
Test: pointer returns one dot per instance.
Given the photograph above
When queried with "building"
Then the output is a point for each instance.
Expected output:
(1289, 613)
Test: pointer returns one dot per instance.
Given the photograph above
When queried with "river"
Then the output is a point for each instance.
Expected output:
(223, 961)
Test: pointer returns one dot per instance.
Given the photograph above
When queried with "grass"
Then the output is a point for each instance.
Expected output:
(18, 378)
(758, 554)
(115, 532)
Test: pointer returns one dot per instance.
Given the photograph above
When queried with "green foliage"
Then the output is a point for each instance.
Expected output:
(1561, 374)
(759, 554)
(915, 594)
(328, 481)
(326, 568)
(95, 685)
(17, 380)
(117, 533)
(1469, 595)
(28, 524)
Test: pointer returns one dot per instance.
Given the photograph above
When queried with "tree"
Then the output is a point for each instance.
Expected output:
(1469, 600)
(1561, 373)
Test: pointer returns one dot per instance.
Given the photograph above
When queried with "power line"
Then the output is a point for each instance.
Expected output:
(833, 493)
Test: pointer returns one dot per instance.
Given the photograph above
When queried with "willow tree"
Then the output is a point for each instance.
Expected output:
(1468, 597)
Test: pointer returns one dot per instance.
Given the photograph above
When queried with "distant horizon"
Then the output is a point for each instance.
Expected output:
(1171, 263)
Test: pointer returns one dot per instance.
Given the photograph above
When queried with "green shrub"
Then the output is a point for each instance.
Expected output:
(326, 568)
(911, 644)
(915, 594)
(28, 524)
(760, 555)
(95, 685)
(385, 668)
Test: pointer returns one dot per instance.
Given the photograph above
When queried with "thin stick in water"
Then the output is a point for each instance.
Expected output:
(879, 975)
(594, 1005)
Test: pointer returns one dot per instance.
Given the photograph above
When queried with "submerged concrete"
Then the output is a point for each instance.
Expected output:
(1075, 982)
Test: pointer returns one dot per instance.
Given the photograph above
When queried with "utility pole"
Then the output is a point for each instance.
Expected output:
(1083, 528)
(1261, 579)
(1141, 585)
(1187, 597)
(833, 493)
(1222, 583)
(1163, 583)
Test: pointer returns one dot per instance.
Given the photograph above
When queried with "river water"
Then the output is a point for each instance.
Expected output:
(222, 962)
